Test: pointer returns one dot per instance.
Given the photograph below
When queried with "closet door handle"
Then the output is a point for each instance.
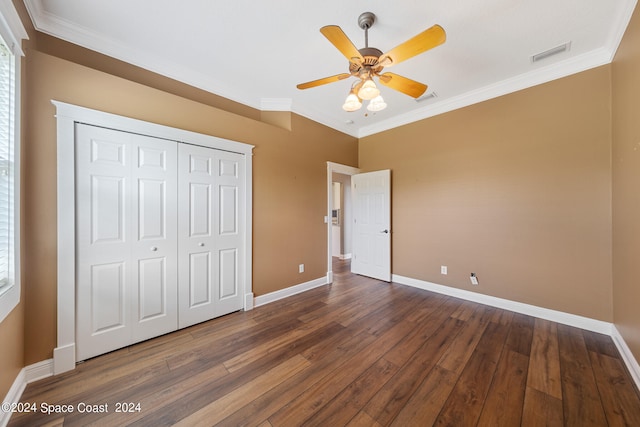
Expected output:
(153, 248)
(201, 244)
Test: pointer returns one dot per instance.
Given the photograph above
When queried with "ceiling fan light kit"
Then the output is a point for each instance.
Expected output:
(368, 91)
(368, 62)
(352, 103)
(377, 104)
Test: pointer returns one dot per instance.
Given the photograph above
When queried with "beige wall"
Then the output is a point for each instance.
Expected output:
(626, 186)
(516, 189)
(289, 180)
(11, 350)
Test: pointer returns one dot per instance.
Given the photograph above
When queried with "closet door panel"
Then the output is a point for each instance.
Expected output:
(126, 258)
(229, 236)
(103, 238)
(208, 226)
(196, 183)
(154, 304)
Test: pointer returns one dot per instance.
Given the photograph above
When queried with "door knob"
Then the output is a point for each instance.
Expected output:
(200, 244)
(153, 248)
(385, 231)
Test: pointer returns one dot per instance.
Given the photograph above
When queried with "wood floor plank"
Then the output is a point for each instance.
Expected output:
(343, 308)
(160, 398)
(342, 408)
(389, 400)
(229, 346)
(81, 388)
(422, 332)
(458, 354)
(239, 397)
(425, 404)
(504, 402)
(541, 409)
(427, 306)
(520, 336)
(356, 352)
(266, 405)
(305, 405)
(214, 390)
(615, 386)
(465, 403)
(600, 344)
(259, 351)
(544, 366)
(385, 317)
(362, 419)
(581, 401)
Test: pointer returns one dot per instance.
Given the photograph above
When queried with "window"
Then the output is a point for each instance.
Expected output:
(7, 166)
(11, 33)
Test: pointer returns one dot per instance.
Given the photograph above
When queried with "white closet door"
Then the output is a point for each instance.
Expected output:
(126, 239)
(210, 233)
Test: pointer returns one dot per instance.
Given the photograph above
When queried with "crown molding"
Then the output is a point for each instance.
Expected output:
(552, 72)
(11, 27)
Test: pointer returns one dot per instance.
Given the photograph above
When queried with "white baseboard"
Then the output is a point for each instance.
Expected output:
(287, 292)
(27, 375)
(531, 310)
(627, 356)
(345, 256)
(38, 371)
(13, 396)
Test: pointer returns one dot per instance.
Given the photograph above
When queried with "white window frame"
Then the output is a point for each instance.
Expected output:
(12, 32)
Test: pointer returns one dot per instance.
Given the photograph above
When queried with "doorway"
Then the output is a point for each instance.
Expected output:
(339, 213)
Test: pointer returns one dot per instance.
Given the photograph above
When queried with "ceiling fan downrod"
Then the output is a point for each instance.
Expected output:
(365, 21)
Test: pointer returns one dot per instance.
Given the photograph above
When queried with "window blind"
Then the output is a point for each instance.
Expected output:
(6, 165)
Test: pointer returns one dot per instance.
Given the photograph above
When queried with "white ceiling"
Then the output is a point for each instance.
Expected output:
(255, 52)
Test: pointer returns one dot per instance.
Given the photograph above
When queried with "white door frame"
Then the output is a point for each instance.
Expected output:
(331, 169)
(64, 355)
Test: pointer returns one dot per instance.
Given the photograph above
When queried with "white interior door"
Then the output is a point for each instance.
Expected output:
(211, 185)
(371, 193)
(126, 263)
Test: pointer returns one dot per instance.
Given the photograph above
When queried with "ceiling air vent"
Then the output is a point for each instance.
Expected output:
(426, 97)
(553, 51)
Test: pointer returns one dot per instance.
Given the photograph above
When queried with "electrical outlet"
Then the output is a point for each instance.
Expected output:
(443, 269)
(301, 268)
(474, 279)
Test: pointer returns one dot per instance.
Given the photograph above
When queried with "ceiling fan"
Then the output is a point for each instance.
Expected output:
(369, 62)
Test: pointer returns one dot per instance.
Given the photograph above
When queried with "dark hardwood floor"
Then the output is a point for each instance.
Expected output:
(358, 352)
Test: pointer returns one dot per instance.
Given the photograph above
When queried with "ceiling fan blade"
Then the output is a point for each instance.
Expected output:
(402, 84)
(323, 81)
(339, 39)
(424, 41)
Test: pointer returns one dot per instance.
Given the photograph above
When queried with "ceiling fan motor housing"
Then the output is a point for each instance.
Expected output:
(371, 56)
